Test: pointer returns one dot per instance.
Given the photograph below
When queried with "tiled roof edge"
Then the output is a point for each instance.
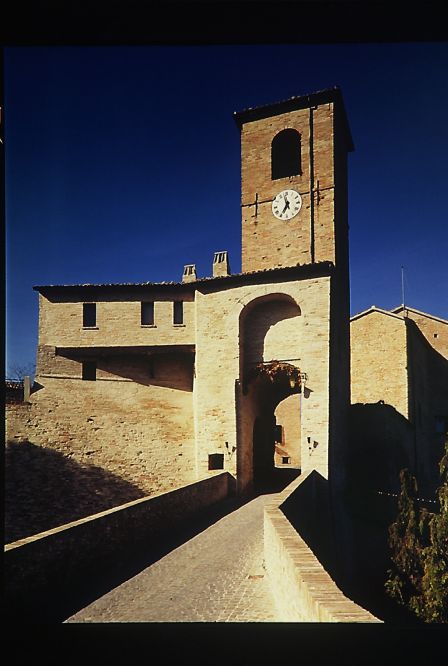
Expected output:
(424, 314)
(199, 281)
(373, 308)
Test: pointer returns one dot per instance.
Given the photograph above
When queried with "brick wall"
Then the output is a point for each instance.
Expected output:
(118, 319)
(303, 590)
(267, 241)
(138, 429)
(218, 383)
(434, 329)
(428, 402)
(378, 361)
(339, 376)
(154, 421)
(394, 360)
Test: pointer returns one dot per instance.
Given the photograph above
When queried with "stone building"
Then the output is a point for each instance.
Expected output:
(399, 391)
(164, 383)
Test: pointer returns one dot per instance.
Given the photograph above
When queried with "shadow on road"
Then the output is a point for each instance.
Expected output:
(99, 578)
(276, 480)
(114, 573)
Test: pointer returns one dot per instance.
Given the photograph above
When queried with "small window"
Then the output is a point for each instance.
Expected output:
(436, 335)
(286, 460)
(178, 312)
(216, 461)
(286, 157)
(147, 313)
(89, 370)
(441, 424)
(279, 434)
(89, 315)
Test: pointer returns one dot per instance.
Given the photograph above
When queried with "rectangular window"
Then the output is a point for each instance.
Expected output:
(89, 370)
(178, 312)
(216, 461)
(147, 314)
(89, 315)
(278, 433)
(286, 460)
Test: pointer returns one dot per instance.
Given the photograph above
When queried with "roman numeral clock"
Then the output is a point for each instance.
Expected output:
(286, 204)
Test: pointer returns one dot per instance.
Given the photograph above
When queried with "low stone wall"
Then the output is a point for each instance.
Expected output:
(302, 588)
(45, 572)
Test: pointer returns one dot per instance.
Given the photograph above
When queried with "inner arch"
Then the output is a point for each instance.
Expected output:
(266, 329)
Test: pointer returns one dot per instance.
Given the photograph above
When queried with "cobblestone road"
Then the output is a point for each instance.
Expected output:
(217, 576)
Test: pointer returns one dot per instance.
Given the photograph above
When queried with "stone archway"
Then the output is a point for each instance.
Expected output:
(270, 328)
(268, 384)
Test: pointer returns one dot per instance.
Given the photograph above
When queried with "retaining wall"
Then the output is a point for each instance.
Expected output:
(44, 573)
(303, 590)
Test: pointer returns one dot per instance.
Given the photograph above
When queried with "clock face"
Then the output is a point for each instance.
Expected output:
(286, 204)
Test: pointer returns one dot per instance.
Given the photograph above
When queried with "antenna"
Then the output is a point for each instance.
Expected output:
(402, 290)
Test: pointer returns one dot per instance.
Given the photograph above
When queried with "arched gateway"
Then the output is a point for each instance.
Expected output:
(269, 331)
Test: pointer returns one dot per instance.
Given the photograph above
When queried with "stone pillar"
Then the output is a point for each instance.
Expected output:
(26, 389)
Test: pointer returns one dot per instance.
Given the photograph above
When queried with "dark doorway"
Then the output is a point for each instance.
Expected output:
(267, 477)
(263, 450)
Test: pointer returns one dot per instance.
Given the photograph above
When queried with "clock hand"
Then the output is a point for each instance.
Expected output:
(286, 205)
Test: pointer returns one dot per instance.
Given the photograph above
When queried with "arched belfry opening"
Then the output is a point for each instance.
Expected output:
(286, 154)
(270, 377)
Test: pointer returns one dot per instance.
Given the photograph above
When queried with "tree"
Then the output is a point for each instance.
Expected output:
(17, 372)
(434, 601)
(419, 543)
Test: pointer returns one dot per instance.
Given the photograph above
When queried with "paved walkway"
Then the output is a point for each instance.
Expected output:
(217, 576)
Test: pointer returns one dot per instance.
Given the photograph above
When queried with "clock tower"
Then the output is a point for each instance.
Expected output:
(294, 182)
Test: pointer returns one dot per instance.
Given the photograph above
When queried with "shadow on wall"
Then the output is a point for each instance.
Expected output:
(170, 370)
(45, 489)
(309, 509)
(380, 445)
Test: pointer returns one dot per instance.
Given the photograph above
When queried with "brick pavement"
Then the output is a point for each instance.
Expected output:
(217, 576)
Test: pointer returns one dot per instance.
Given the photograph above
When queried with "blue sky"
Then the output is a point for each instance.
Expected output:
(123, 164)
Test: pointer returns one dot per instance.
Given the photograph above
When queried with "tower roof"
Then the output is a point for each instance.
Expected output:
(298, 102)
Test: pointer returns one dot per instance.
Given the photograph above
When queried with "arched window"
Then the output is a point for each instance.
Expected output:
(286, 158)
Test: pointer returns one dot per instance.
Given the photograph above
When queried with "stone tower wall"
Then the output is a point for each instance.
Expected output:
(309, 236)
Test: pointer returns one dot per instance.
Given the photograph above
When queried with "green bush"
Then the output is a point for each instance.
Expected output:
(419, 543)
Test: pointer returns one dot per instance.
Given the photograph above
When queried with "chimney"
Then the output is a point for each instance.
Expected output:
(221, 264)
(189, 274)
